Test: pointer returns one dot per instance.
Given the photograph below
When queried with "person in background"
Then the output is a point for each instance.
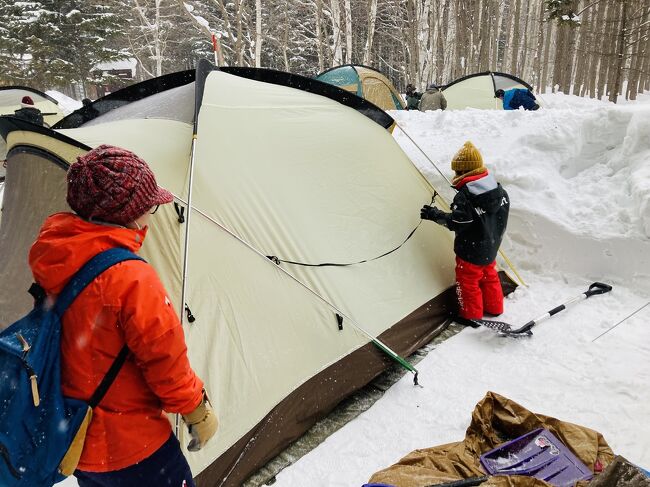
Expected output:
(129, 442)
(479, 216)
(517, 97)
(412, 97)
(433, 99)
(89, 111)
(29, 112)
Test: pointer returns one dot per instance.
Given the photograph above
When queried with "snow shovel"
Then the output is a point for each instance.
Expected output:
(504, 329)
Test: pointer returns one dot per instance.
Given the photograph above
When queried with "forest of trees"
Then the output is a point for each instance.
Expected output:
(592, 48)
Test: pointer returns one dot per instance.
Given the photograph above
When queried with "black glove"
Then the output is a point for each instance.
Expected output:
(434, 214)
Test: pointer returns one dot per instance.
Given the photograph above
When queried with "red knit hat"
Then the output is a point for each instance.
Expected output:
(113, 185)
(27, 100)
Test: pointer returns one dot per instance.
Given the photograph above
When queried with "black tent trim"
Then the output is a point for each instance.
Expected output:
(32, 90)
(353, 66)
(125, 96)
(492, 75)
(316, 87)
(157, 85)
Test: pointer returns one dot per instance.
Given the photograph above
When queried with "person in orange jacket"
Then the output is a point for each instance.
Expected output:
(129, 442)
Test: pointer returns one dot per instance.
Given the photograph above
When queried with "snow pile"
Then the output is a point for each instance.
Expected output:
(67, 104)
(578, 174)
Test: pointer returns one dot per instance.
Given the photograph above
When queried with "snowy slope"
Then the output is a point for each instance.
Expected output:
(578, 174)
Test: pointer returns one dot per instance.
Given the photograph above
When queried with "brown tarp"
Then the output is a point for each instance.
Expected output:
(495, 420)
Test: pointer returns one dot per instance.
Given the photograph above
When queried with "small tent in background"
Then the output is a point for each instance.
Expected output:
(365, 82)
(477, 90)
(10, 97)
(278, 344)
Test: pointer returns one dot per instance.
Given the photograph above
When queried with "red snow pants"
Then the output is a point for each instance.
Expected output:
(478, 289)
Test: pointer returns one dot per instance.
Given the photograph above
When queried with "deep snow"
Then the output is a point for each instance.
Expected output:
(578, 174)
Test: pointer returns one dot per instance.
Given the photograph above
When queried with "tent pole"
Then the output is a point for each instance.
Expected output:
(185, 254)
(187, 230)
(501, 252)
(378, 343)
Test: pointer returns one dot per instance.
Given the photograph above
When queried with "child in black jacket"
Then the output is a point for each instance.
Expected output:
(479, 215)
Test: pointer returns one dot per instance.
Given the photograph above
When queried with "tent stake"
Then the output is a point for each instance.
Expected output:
(501, 252)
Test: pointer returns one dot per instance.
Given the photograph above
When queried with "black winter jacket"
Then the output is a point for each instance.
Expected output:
(479, 215)
(30, 114)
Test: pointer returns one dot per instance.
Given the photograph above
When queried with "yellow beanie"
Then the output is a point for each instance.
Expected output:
(468, 158)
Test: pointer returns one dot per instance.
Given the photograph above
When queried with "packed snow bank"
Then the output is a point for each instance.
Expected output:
(577, 174)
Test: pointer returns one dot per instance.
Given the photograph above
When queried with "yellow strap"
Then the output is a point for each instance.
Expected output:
(35, 396)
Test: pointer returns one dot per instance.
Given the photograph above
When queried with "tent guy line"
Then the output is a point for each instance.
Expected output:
(624, 319)
(501, 252)
(378, 343)
(277, 260)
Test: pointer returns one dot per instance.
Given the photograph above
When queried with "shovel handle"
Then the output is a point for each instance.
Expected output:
(597, 288)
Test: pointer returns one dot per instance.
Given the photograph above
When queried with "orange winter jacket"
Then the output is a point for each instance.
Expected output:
(127, 304)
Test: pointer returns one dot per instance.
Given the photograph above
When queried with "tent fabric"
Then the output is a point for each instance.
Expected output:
(477, 90)
(11, 96)
(365, 82)
(267, 181)
(495, 420)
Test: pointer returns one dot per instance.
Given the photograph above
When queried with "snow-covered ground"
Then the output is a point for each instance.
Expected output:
(578, 174)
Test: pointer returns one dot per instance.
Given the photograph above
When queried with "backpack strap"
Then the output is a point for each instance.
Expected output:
(108, 379)
(91, 269)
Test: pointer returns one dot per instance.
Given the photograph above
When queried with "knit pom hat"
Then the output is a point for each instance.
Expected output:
(468, 158)
(27, 101)
(113, 185)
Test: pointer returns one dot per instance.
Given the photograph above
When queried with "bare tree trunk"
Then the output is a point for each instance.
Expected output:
(337, 49)
(621, 51)
(348, 31)
(524, 56)
(484, 37)
(509, 27)
(285, 36)
(516, 41)
(602, 50)
(319, 35)
(580, 80)
(550, 28)
(539, 83)
(258, 33)
(372, 19)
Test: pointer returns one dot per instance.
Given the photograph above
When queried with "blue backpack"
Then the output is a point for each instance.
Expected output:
(37, 423)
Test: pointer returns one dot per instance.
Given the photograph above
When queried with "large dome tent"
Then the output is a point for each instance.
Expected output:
(477, 90)
(280, 334)
(365, 82)
(11, 96)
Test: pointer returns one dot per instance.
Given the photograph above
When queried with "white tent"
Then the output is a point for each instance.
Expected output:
(282, 167)
(477, 90)
(11, 96)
